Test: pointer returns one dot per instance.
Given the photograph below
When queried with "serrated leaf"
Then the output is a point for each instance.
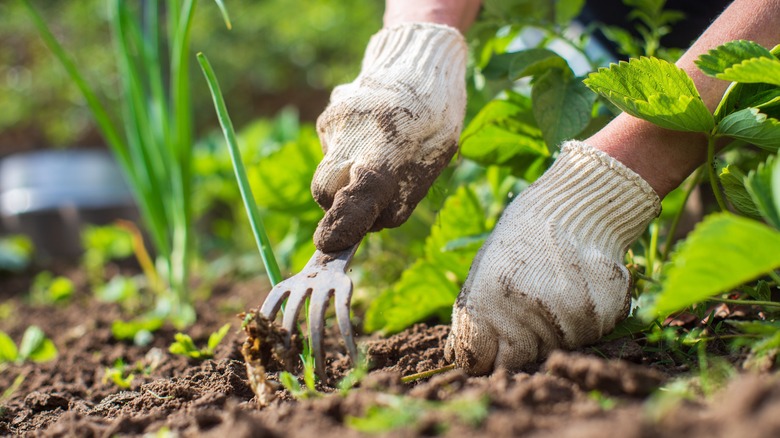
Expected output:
(717, 61)
(567, 10)
(653, 90)
(45, 352)
(185, 341)
(533, 62)
(423, 291)
(460, 216)
(733, 182)
(758, 184)
(766, 97)
(504, 133)
(723, 252)
(756, 70)
(8, 351)
(281, 180)
(216, 337)
(31, 340)
(562, 107)
(752, 126)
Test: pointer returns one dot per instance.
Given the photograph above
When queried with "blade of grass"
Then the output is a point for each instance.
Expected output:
(272, 268)
(101, 115)
(224, 12)
(133, 108)
(182, 144)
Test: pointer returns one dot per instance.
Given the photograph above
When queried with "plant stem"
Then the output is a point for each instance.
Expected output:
(692, 182)
(256, 221)
(776, 278)
(425, 374)
(745, 302)
(652, 249)
(713, 176)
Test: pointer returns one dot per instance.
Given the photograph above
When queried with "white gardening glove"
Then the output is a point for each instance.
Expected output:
(387, 135)
(551, 274)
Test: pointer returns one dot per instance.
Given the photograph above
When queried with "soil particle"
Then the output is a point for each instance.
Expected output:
(417, 349)
(615, 377)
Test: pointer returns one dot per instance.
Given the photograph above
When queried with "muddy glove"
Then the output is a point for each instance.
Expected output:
(551, 274)
(387, 135)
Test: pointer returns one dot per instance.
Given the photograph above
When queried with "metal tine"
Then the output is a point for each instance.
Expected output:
(345, 325)
(291, 311)
(317, 305)
(273, 302)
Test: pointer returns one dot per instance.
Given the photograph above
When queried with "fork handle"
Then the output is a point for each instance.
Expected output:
(333, 260)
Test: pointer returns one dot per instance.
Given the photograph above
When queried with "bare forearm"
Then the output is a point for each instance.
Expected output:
(665, 158)
(459, 14)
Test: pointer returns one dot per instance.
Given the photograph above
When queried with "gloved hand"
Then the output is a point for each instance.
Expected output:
(551, 274)
(387, 135)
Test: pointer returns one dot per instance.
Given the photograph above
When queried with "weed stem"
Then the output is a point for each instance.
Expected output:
(426, 374)
(713, 176)
(692, 182)
(745, 302)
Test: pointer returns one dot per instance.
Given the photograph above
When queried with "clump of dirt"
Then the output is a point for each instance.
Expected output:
(615, 377)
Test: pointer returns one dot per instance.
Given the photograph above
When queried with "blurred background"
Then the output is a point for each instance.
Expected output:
(277, 54)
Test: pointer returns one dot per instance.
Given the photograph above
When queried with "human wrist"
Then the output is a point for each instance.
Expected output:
(594, 199)
(458, 14)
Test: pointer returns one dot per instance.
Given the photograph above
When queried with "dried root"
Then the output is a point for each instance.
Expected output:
(263, 348)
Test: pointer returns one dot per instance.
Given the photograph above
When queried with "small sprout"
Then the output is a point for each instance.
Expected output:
(35, 346)
(48, 289)
(184, 346)
(138, 329)
(119, 374)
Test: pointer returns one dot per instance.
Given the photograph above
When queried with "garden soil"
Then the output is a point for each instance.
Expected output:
(606, 389)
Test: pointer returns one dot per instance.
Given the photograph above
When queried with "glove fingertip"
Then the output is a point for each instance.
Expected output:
(475, 345)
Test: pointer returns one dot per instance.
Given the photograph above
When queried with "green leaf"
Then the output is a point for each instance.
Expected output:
(765, 97)
(31, 340)
(8, 351)
(562, 107)
(776, 186)
(567, 10)
(723, 252)
(423, 291)
(504, 133)
(185, 342)
(756, 70)
(126, 330)
(45, 352)
(752, 126)
(15, 253)
(733, 181)
(533, 62)
(759, 185)
(626, 43)
(725, 57)
(653, 90)
(281, 180)
(216, 337)
(461, 216)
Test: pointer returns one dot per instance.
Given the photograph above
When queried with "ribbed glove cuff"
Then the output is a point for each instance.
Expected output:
(592, 196)
(429, 50)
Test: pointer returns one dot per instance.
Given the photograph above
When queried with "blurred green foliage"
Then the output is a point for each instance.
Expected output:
(276, 52)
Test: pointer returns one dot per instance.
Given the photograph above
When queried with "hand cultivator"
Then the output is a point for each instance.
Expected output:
(324, 276)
